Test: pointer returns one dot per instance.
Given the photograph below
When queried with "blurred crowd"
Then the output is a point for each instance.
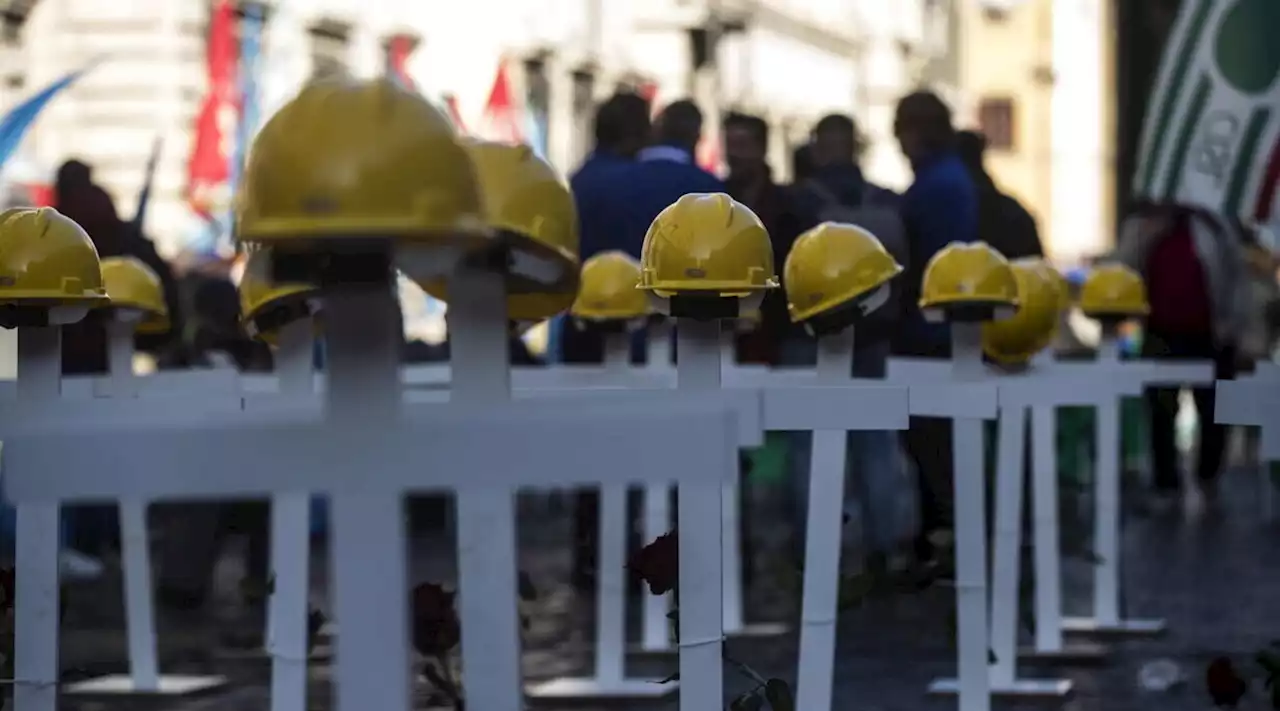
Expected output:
(1211, 284)
(640, 166)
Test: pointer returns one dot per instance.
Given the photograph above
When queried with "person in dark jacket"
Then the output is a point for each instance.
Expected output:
(661, 174)
(93, 529)
(940, 207)
(1194, 268)
(750, 181)
(622, 128)
(835, 190)
(622, 197)
(667, 169)
(72, 176)
(601, 193)
(92, 208)
(1003, 222)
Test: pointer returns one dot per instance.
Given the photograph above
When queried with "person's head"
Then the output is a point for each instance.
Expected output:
(972, 147)
(922, 125)
(835, 141)
(622, 124)
(72, 176)
(679, 125)
(746, 142)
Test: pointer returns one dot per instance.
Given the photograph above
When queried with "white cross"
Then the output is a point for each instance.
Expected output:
(1041, 389)
(1044, 386)
(368, 449)
(1252, 400)
(827, 402)
(1135, 376)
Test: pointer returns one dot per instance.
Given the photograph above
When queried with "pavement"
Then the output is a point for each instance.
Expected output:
(1213, 576)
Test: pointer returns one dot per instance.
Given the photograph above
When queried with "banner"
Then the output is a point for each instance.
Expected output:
(14, 126)
(1211, 137)
(209, 165)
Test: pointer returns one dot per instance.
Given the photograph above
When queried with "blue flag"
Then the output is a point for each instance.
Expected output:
(14, 126)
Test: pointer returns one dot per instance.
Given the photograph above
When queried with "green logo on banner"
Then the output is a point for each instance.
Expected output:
(1247, 51)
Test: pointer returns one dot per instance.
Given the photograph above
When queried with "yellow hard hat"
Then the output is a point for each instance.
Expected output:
(831, 265)
(707, 242)
(132, 284)
(1114, 291)
(1031, 328)
(530, 208)
(608, 291)
(968, 274)
(46, 259)
(266, 307)
(348, 159)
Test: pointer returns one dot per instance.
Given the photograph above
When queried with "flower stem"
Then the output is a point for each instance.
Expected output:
(744, 669)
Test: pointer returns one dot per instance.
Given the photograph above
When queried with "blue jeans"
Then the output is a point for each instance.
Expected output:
(873, 464)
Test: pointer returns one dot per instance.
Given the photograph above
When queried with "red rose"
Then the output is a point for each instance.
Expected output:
(658, 563)
(435, 625)
(1224, 683)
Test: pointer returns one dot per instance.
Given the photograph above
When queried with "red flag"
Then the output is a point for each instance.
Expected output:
(209, 166)
(399, 49)
(455, 115)
(500, 121)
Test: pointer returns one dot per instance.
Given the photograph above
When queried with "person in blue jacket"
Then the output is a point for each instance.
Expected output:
(667, 169)
(622, 128)
(601, 192)
(621, 198)
(940, 207)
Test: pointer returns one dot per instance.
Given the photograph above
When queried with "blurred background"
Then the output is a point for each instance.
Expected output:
(1055, 85)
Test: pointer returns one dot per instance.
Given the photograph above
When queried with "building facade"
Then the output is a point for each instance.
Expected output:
(1037, 77)
(530, 70)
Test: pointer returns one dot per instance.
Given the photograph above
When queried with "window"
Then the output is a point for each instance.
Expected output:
(996, 121)
(537, 100)
(584, 105)
(329, 44)
(700, 49)
(537, 87)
